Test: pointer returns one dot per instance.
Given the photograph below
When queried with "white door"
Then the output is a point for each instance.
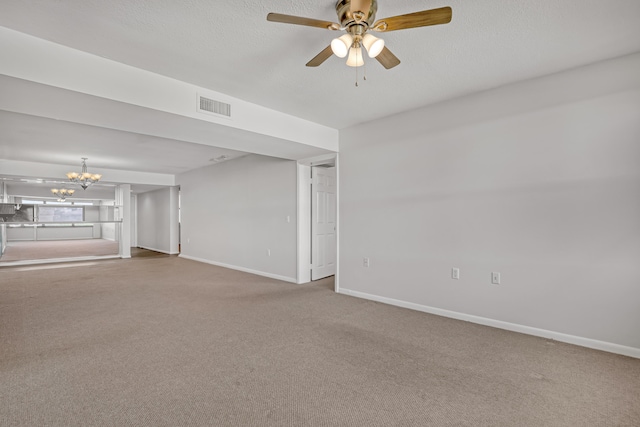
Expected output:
(323, 222)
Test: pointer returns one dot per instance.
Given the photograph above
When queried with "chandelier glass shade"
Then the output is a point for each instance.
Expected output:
(84, 178)
(62, 193)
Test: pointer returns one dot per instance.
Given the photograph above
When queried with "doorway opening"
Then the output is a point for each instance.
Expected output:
(323, 221)
(318, 229)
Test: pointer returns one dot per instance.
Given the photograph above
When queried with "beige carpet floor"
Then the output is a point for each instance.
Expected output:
(171, 342)
(50, 249)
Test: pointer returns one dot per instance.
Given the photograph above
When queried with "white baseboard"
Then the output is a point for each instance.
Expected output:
(243, 269)
(558, 336)
(157, 250)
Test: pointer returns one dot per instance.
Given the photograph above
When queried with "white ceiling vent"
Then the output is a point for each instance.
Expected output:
(211, 106)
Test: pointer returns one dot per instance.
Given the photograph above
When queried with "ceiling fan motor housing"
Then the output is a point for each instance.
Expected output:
(347, 19)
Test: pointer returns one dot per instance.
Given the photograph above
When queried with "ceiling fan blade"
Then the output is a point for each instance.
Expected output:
(361, 6)
(298, 20)
(387, 59)
(321, 57)
(413, 20)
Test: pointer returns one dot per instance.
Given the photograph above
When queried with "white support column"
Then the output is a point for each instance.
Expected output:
(123, 200)
(134, 220)
(4, 198)
(174, 223)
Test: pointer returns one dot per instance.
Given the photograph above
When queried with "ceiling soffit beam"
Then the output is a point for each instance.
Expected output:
(53, 171)
(48, 63)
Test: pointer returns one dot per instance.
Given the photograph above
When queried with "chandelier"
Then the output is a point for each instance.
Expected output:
(62, 193)
(84, 178)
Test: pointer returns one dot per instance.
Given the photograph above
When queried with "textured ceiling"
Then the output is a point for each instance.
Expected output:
(229, 47)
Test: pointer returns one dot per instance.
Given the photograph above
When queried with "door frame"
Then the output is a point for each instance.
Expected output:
(304, 215)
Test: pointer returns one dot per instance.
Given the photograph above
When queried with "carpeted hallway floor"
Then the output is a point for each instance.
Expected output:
(50, 249)
(164, 341)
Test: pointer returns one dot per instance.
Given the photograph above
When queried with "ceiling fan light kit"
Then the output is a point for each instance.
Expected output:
(356, 18)
(373, 44)
(341, 45)
(355, 58)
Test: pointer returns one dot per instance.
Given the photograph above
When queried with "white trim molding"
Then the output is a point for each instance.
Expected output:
(243, 269)
(157, 250)
(543, 333)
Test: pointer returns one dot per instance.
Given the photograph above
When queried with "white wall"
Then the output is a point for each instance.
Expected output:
(92, 213)
(538, 181)
(157, 222)
(107, 231)
(234, 212)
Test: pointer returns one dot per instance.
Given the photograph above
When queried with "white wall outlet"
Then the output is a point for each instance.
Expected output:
(288, 218)
(268, 252)
(455, 273)
(495, 278)
(365, 262)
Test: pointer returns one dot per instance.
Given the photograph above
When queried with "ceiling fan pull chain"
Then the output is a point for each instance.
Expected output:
(359, 51)
(364, 66)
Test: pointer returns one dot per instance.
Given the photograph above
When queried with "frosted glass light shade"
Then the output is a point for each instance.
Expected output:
(355, 57)
(340, 46)
(373, 44)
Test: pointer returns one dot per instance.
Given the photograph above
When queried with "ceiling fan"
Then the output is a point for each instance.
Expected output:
(357, 18)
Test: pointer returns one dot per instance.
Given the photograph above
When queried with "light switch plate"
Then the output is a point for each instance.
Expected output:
(495, 278)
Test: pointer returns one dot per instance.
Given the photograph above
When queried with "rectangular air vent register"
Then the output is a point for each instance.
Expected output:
(211, 106)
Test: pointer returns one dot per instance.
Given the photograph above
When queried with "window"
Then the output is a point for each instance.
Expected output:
(60, 213)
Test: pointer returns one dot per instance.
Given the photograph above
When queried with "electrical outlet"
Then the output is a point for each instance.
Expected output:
(365, 262)
(268, 252)
(455, 273)
(495, 278)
